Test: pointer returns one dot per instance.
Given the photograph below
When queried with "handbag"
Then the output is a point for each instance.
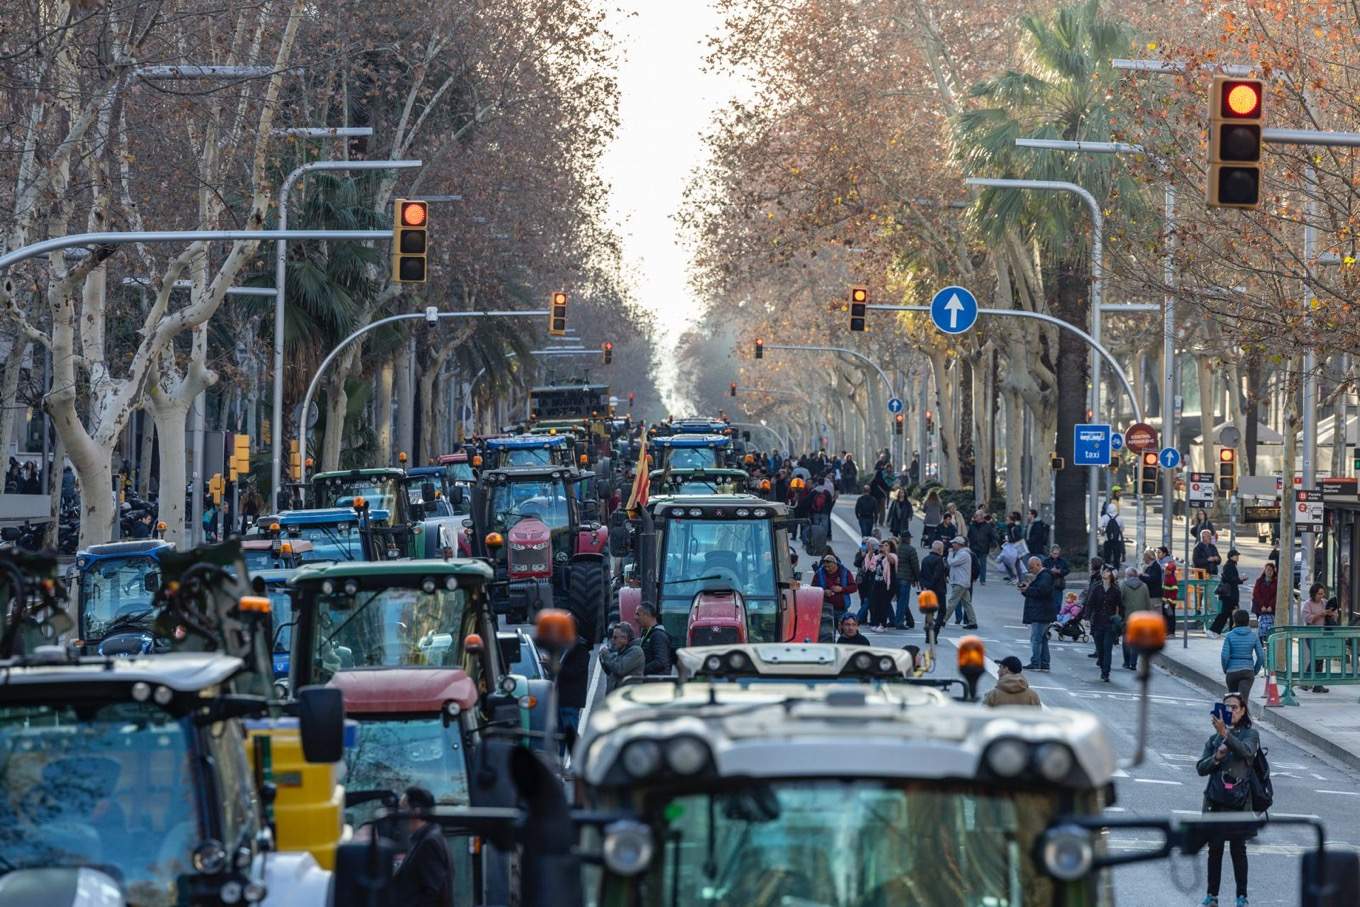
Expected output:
(1228, 793)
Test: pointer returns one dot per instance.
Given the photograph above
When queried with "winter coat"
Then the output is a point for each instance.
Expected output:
(1102, 605)
(572, 677)
(843, 578)
(1242, 651)
(1152, 580)
(1134, 593)
(1263, 595)
(932, 512)
(899, 517)
(1228, 582)
(1037, 539)
(618, 664)
(657, 651)
(908, 566)
(1062, 567)
(1200, 559)
(935, 575)
(980, 534)
(961, 567)
(1243, 744)
(1013, 689)
(866, 507)
(859, 639)
(1041, 606)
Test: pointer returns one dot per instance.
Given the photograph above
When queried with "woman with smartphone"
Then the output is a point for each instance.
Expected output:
(1228, 760)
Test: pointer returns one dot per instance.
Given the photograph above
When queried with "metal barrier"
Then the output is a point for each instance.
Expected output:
(1313, 656)
(1197, 599)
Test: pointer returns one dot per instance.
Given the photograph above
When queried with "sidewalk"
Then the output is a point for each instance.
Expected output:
(1329, 722)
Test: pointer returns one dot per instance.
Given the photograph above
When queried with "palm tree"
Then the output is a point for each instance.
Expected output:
(1060, 91)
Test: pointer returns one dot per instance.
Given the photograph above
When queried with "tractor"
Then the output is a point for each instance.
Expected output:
(544, 542)
(117, 583)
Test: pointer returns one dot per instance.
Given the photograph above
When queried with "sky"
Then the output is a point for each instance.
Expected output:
(667, 102)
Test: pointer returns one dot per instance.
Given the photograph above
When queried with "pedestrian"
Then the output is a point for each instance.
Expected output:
(1057, 565)
(1113, 530)
(1152, 577)
(885, 586)
(849, 473)
(1229, 596)
(425, 876)
(865, 562)
(914, 470)
(1263, 593)
(658, 650)
(1092, 580)
(1011, 686)
(935, 578)
(866, 509)
(837, 583)
(850, 635)
(961, 581)
(621, 657)
(1242, 656)
(1228, 759)
(1317, 612)
(1205, 556)
(932, 514)
(1036, 537)
(1012, 547)
(908, 575)
(1202, 523)
(1134, 594)
(981, 534)
(1041, 609)
(900, 514)
(572, 681)
(1105, 606)
(14, 477)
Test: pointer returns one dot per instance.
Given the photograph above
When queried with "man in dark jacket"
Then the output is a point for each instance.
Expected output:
(866, 510)
(1041, 609)
(981, 534)
(1037, 537)
(850, 635)
(425, 877)
(849, 473)
(935, 577)
(571, 682)
(657, 648)
(1057, 565)
(1228, 594)
(1206, 556)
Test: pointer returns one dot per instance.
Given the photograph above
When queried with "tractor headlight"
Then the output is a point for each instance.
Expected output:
(886, 665)
(230, 892)
(863, 661)
(686, 755)
(737, 662)
(628, 847)
(1067, 852)
(712, 664)
(1052, 761)
(641, 758)
(1007, 757)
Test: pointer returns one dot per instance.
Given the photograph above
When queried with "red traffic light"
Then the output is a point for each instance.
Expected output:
(413, 214)
(1150, 458)
(1240, 99)
(608, 346)
(1227, 454)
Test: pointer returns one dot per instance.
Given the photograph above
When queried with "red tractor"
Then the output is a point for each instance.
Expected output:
(545, 544)
(720, 570)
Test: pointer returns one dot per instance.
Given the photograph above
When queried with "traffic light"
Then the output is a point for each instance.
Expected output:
(632, 398)
(1227, 470)
(240, 456)
(898, 421)
(410, 220)
(295, 460)
(930, 422)
(215, 486)
(1355, 459)
(557, 315)
(760, 348)
(1056, 463)
(732, 389)
(1149, 469)
(1236, 108)
(859, 302)
(608, 350)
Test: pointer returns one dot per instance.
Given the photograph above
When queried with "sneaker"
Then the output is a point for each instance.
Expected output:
(1209, 901)
(1032, 667)
(1241, 900)
(1044, 669)
(1092, 655)
(1105, 677)
(1321, 689)
(970, 626)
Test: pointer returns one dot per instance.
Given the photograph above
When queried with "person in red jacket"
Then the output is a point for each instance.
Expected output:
(837, 581)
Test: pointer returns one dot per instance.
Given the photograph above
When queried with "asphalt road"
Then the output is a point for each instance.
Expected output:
(1306, 783)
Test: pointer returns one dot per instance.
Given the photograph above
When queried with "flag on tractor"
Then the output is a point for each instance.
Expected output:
(642, 479)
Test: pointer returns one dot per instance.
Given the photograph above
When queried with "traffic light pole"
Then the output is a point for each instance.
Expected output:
(427, 315)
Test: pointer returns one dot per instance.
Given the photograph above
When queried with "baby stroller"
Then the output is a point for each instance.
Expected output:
(1070, 624)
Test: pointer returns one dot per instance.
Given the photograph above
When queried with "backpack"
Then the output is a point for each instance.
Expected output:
(819, 502)
(1262, 788)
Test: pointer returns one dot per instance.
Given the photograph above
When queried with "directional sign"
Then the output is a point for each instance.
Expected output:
(1116, 441)
(954, 310)
(1091, 444)
(1140, 437)
(1200, 490)
(894, 406)
(1308, 511)
(1169, 457)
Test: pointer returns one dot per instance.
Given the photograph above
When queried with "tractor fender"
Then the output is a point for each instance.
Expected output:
(293, 878)
(592, 541)
(802, 615)
(629, 599)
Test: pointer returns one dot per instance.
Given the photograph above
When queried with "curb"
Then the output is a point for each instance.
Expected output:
(1275, 718)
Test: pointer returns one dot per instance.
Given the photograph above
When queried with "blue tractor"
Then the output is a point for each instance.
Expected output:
(114, 610)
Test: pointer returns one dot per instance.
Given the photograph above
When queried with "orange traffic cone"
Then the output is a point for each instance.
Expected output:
(1272, 691)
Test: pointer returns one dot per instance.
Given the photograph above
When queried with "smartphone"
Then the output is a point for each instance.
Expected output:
(1220, 711)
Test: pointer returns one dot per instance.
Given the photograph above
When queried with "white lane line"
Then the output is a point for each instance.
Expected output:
(852, 531)
(1120, 773)
(1163, 781)
(1186, 812)
(1339, 793)
(1296, 816)
(1115, 809)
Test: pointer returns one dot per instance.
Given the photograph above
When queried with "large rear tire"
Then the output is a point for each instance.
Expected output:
(587, 594)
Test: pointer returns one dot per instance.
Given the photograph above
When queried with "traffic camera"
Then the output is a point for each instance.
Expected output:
(608, 350)
(1148, 471)
(410, 221)
(557, 315)
(859, 303)
(1236, 108)
(1227, 470)
(898, 421)
(760, 349)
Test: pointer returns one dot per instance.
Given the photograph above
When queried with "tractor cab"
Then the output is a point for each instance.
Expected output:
(693, 452)
(544, 543)
(116, 584)
(434, 492)
(459, 468)
(383, 503)
(274, 553)
(528, 450)
(720, 570)
(699, 481)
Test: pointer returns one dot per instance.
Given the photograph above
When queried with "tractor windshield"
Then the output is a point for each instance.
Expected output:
(265, 559)
(461, 472)
(116, 588)
(389, 628)
(526, 456)
(693, 458)
(543, 499)
(380, 492)
(708, 555)
(101, 786)
(393, 755)
(330, 542)
(776, 843)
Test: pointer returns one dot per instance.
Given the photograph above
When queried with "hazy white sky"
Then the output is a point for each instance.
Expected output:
(667, 102)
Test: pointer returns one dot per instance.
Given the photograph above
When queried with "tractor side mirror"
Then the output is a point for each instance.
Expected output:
(590, 509)
(151, 581)
(1342, 878)
(321, 723)
(456, 496)
(428, 492)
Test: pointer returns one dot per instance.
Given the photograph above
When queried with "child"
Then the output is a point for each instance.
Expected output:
(1071, 609)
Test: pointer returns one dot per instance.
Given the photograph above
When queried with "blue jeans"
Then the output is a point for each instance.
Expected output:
(568, 717)
(1038, 645)
(1104, 645)
(863, 613)
(903, 616)
(866, 526)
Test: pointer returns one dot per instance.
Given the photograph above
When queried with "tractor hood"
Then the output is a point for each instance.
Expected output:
(384, 691)
(716, 618)
(528, 531)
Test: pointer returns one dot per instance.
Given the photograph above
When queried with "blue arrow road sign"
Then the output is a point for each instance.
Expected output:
(894, 406)
(1091, 444)
(954, 310)
(1169, 457)
(1116, 441)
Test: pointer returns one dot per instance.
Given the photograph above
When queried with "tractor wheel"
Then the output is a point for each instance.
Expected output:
(586, 598)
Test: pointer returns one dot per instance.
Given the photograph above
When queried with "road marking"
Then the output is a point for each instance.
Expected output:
(1317, 777)
(1163, 781)
(1186, 812)
(1115, 809)
(1339, 793)
(1297, 816)
(846, 528)
(1120, 773)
